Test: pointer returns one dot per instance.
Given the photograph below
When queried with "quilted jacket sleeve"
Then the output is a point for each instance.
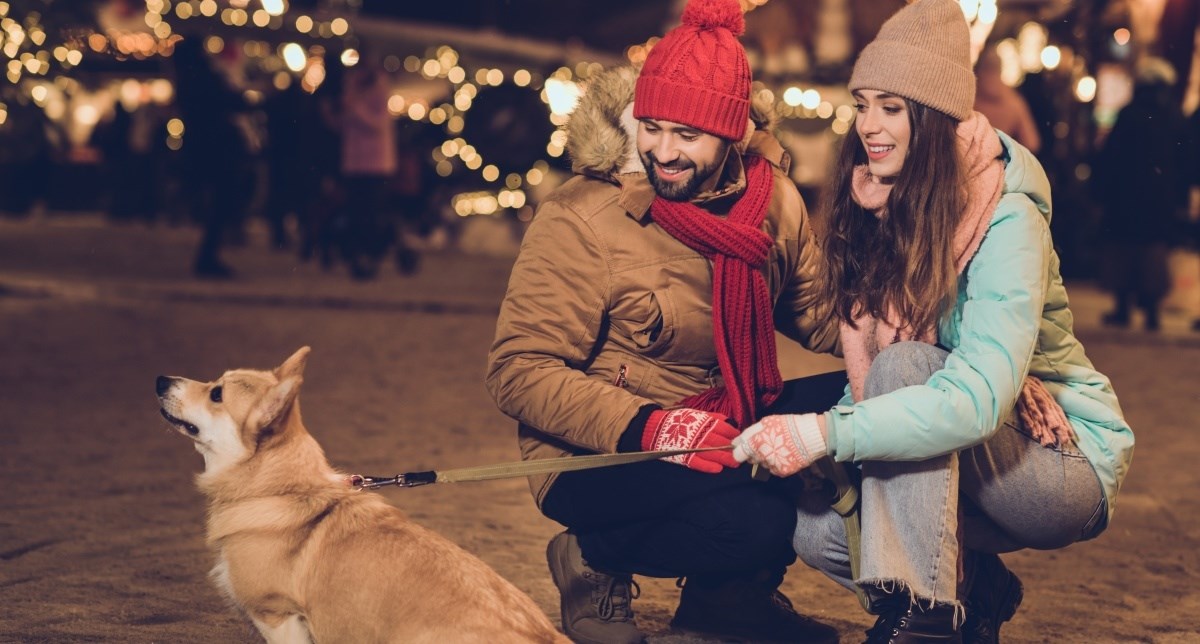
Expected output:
(962, 404)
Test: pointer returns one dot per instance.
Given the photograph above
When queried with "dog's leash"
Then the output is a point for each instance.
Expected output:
(518, 468)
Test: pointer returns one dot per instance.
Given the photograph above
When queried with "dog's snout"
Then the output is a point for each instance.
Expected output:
(162, 384)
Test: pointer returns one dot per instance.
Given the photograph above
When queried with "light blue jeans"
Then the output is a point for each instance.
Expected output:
(1010, 493)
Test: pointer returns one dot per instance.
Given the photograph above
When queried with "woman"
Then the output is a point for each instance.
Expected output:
(978, 424)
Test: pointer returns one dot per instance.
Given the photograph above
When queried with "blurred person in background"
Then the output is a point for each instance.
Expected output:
(640, 315)
(1003, 106)
(1141, 178)
(320, 130)
(368, 165)
(216, 158)
(30, 145)
(288, 186)
(974, 423)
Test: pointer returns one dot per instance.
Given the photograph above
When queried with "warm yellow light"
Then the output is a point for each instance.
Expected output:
(87, 115)
(562, 95)
(339, 26)
(294, 57)
(162, 31)
(792, 96)
(456, 75)
(74, 57)
(534, 177)
(1051, 57)
(396, 104)
(416, 111)
(183, 10)
(175, 127)
(161, 91)
(350, 57)
(261, 18)
(39, 93)
(810, 99)
(304, 24)
(522, 77)
(214, 44)
(1085, 89)
(208, 8)
(1121, 36)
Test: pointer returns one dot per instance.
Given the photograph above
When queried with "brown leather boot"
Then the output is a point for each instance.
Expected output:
(596, 607)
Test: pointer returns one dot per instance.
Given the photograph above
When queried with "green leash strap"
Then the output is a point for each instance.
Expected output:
(846, 503)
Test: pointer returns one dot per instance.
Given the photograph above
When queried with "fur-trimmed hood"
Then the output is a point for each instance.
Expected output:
(601, 135)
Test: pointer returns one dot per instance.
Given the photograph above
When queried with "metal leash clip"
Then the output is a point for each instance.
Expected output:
(408, 479)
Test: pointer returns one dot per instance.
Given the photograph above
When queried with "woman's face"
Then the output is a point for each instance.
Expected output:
(882, 124)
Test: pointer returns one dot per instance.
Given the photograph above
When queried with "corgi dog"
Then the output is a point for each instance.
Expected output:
(308, 557)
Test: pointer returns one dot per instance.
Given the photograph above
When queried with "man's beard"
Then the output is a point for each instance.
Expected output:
(678, 190)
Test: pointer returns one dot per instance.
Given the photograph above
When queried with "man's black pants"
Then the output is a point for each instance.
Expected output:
(661, 519)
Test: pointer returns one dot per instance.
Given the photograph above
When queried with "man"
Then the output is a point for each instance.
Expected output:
(640, 315)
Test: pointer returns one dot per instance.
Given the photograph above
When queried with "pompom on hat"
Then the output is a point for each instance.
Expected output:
(923, 53)
(697, 74)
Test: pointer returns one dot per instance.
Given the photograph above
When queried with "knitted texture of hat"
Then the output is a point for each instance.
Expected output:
(922, 53)
(697, 74)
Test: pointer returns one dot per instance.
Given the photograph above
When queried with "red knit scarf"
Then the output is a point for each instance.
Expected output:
(743, 330)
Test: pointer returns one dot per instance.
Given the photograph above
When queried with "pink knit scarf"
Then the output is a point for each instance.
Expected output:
(743, 330)
(979, 148)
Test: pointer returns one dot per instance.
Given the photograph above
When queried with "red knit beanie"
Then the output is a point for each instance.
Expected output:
(697, 74)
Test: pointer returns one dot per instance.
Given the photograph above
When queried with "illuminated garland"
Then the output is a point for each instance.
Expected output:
(559, 91)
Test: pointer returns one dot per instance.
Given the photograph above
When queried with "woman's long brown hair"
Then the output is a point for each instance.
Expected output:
(903, 260)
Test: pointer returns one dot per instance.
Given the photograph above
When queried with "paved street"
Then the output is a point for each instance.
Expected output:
(101, 528)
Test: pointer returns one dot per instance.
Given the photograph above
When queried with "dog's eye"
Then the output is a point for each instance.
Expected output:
(215, 394)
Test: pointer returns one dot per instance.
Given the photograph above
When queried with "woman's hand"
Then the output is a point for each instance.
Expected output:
(783, 444)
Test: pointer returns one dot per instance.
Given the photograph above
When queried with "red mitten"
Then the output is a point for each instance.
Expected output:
(690, 429)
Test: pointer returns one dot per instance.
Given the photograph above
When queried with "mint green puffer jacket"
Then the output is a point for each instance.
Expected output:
(1011, 318)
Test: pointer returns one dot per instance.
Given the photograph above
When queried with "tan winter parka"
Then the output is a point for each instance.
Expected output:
(605, 311)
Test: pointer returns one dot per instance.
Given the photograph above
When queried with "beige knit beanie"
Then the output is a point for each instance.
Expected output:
(922, 53)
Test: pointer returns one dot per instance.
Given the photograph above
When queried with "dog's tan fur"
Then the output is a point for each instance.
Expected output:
(304, 554)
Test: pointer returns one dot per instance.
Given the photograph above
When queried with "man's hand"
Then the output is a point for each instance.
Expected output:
(784, 444)
(690, 429)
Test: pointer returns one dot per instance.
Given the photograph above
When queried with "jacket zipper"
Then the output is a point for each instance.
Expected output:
(622, 380)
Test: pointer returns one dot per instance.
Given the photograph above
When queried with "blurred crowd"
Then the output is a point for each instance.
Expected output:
(336, 178)
(339, 180)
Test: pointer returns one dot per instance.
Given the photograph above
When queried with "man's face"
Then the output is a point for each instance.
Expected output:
(678, 158)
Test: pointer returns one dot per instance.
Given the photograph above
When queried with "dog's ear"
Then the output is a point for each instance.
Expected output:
(293, 366)
(275, 404)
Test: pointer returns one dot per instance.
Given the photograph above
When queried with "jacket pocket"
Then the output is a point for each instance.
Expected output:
(654, 331)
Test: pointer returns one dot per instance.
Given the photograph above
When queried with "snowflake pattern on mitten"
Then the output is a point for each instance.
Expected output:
(785, 444)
